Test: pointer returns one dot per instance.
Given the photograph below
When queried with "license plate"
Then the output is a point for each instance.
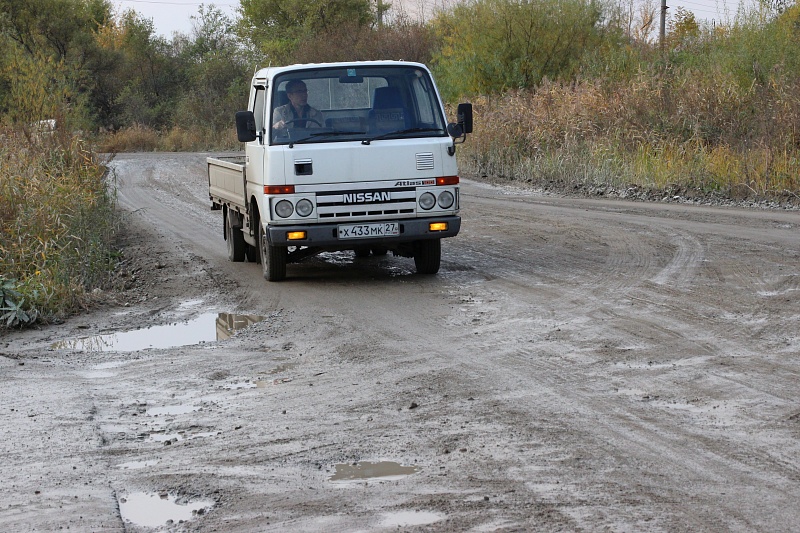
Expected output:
(362, 231)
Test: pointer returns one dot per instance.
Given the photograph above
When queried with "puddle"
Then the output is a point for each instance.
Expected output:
(411, 518)
(381, 471)
(205, 328)
(153, 510)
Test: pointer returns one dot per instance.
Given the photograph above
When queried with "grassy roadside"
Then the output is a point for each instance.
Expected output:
(177, 139)
(650, 134)
(57, 226)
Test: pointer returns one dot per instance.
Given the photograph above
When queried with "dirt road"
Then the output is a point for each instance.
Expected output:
(576, 365)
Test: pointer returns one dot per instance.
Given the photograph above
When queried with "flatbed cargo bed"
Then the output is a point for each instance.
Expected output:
(227, 179)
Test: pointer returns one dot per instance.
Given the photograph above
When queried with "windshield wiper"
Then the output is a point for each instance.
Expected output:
(398, 132)
(323, 134)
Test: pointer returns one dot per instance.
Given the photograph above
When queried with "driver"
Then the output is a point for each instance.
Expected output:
(297, 113)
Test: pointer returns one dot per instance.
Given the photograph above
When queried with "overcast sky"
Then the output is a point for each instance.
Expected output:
(174, 15)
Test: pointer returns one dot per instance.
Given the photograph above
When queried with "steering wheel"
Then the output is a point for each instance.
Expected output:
(287, 122)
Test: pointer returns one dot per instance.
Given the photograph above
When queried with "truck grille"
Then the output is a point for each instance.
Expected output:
(362, 205)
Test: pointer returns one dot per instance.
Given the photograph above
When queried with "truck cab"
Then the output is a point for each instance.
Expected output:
(344, 156)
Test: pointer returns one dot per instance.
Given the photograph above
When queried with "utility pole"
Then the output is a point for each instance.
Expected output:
(381, 7)
(663, 30)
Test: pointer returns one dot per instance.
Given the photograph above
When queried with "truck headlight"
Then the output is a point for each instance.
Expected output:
(446, 200)
(304, 207)
(427, 201)
(284, 209)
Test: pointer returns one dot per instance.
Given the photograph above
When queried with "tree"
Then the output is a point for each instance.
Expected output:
(58, 37)
(683, 27)
(52, 25)
(494, 45)
(396, 38)
(149, 73)
(276, 27)
(217, 72)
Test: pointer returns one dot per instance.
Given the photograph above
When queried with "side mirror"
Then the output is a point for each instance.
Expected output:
(246, 126)
(464, 117)
(458, 130)
(455, 130)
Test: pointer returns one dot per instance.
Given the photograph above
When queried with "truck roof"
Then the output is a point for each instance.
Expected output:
(266, 74)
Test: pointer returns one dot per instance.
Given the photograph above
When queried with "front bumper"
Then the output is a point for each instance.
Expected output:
(326, 235)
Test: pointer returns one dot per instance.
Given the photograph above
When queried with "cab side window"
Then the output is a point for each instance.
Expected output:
(258, 108)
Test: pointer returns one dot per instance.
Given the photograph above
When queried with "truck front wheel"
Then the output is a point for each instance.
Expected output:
(273, 258)
(234, 239)
(428, 256)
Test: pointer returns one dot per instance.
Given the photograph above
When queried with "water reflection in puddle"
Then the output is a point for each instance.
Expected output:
(366, 471)
(205, 328)
(152, 510)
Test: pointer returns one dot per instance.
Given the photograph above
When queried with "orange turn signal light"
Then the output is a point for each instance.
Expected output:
(296, 235)
(447, 180)
(437, 226)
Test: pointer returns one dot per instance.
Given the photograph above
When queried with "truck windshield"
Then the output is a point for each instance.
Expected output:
(364, 103)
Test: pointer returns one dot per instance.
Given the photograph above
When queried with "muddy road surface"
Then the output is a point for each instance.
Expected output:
(576, 365)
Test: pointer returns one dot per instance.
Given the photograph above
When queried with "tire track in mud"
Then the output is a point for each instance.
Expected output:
(674, 321)
(675, 447)
(614, 255)
(682, 268)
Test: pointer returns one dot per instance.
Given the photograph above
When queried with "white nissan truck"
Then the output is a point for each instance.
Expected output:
(341, 156)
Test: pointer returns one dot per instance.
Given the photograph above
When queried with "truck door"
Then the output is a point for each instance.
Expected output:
(256, 150)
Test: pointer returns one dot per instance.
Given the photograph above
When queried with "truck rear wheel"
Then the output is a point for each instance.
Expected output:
(234, 239)
(428, 256)
(273, 258)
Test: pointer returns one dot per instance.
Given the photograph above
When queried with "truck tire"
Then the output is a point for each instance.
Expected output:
(252, 253)
(428, 256)
(273, 258)
(234, 239)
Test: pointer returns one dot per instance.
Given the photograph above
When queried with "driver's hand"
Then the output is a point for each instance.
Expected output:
(279, 125)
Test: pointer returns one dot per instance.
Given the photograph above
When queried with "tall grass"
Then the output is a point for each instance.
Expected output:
(57, 225)
(699, 130)
(719, 111)
(139, 138)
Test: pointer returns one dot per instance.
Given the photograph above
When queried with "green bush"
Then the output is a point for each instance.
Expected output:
(494, 45)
